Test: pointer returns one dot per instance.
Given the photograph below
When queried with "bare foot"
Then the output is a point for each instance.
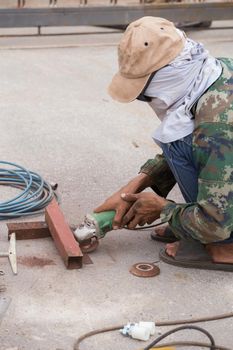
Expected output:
(171, 248)
(221, 253)
(160, 231)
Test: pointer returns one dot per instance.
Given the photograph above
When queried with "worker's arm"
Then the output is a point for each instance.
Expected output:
(161, 177)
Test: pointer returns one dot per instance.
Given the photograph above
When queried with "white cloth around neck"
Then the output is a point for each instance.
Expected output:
(176, 87)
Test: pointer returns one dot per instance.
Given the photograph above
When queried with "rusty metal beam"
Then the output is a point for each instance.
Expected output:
(29, 230)
(114, 15)
(63, 237)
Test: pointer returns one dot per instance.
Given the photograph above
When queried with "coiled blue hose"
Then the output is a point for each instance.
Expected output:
(35, 195)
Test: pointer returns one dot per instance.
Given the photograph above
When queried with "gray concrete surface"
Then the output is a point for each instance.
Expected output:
(57, 119)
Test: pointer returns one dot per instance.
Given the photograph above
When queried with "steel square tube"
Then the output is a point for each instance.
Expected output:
(63, 237)
(29, 230)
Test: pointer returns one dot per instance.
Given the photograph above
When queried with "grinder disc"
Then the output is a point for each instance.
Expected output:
(144, 269)
(89, 245)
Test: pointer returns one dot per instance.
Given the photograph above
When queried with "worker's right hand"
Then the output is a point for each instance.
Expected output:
(116, 203)
(121, 207)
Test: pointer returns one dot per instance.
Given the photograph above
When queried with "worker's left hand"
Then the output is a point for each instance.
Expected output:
(146, 208)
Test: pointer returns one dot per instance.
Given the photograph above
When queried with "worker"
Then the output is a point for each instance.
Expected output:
(191, 93)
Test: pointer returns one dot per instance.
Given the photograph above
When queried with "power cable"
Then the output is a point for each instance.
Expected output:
(145, 227)
(212, 345)
(35, 193)
(163, 324)
(191, 343)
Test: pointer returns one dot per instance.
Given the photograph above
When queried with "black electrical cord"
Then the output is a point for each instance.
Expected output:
(145, 227)
(172, 331)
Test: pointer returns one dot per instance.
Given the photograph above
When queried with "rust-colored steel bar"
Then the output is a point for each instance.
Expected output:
(63, 237)
(28, 230)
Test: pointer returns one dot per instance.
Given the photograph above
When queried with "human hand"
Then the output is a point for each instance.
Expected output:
(145, 208)
(116, 203)
(121, 207)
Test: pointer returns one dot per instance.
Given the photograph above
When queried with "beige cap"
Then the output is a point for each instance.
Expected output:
(147, 45)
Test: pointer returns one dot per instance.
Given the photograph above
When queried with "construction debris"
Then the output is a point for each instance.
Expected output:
(143, 269)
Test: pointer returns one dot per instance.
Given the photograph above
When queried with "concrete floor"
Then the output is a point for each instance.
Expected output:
(57, 119)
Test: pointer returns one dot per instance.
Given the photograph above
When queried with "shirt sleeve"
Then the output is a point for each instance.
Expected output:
(162, 178)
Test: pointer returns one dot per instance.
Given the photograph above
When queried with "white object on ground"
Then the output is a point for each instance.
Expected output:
(140, 331)
(149, 325)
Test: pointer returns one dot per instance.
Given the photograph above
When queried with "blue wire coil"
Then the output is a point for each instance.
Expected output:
(35, 193)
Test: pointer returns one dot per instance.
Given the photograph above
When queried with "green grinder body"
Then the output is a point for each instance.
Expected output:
(103, 222)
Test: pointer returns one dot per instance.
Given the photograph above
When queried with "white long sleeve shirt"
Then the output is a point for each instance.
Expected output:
(176, 87)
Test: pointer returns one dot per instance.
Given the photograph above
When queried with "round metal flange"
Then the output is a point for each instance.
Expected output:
(89, 245)
(144, 269)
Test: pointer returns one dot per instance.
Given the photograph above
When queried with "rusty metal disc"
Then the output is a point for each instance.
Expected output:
(144, 269)
(89, 245)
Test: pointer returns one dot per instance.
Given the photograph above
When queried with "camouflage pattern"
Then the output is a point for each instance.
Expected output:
(210, 219)
(156, 167)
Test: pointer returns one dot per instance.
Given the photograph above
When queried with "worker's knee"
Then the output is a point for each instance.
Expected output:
(222, 233)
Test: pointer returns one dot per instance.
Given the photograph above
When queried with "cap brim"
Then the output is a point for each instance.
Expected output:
(126, 90)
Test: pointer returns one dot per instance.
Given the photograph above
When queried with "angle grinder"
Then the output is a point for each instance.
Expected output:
(94, 227)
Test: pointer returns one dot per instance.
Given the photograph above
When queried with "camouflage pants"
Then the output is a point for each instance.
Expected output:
(210, 217)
